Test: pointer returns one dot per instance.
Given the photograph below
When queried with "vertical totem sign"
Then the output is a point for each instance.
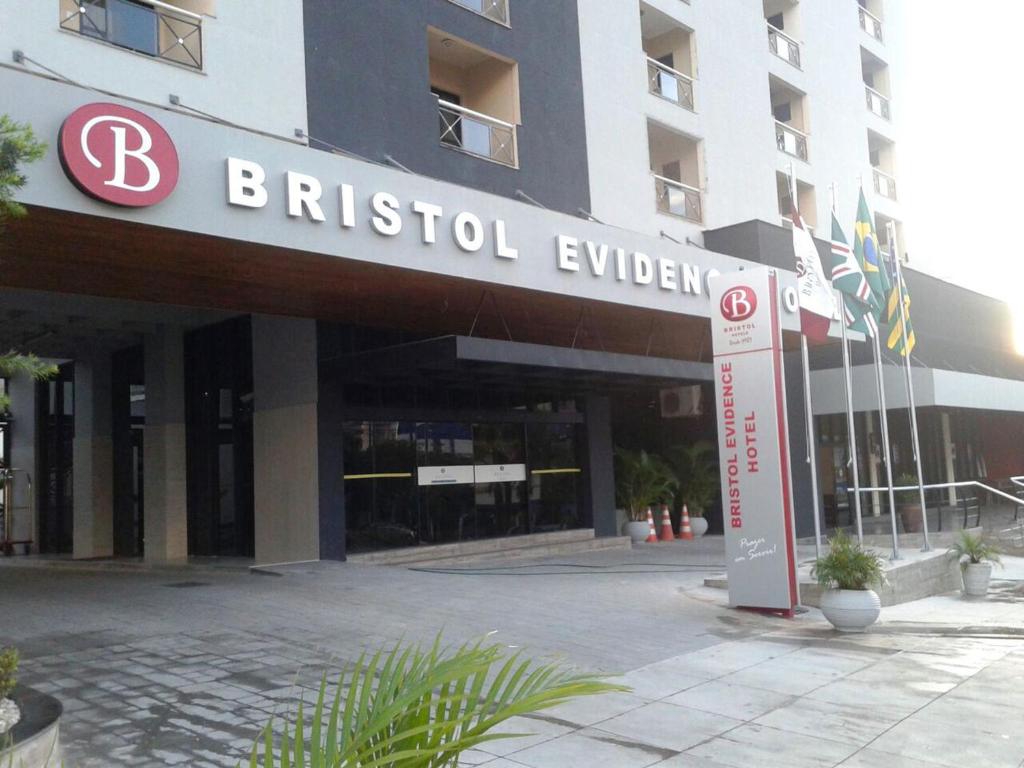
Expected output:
(753, 444)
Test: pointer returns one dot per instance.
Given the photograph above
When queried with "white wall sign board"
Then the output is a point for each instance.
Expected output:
(454, 474)
(500, 473)
(753, 443)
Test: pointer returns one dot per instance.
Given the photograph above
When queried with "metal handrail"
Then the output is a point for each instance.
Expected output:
(693, 204)
(458, 132)
(667, 68)
(472, 113)
(876, 31)
(793, 47)
(177, 34)
(684, 83)
(791, 129)
(877, 93)
(883, 102)
(890, 183)
(499, 8)
(173, 9)
(675, 183)
(960, 484)
(800, 146)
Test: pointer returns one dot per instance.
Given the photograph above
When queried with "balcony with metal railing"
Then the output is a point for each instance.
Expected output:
(477, 134)
(885, 185)
(495, 10)
(152, 28)
(790, 140)
(870, 23)
(877, 103)
(669, 84)
(678, 199)
(783, 46)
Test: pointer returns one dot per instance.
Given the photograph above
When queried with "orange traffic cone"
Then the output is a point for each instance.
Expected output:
(666, 525)
(652, 537)
(685, 532)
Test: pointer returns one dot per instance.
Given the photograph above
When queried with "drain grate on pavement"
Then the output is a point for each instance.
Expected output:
(186, 584)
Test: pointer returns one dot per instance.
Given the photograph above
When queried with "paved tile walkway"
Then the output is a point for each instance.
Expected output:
(183, 667)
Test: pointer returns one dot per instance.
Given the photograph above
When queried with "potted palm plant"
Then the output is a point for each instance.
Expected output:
(848, 572)
(641, 479)
(696, 466)
(976, 556)
(908, 503)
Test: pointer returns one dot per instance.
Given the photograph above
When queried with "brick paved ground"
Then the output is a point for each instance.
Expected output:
(153, 671)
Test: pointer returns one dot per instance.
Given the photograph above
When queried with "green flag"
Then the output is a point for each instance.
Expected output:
(849, 280)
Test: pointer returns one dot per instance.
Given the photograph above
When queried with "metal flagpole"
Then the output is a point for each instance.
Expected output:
(851, 424)
(851, 427)
(884, 419)
(808, 411)
(915, 440)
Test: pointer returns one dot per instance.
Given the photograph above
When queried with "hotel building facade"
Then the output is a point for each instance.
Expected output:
(329, 276)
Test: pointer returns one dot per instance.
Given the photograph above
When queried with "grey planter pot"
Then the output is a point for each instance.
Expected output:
(637, 531)
(699, 526)
(851, 610)
(976, 579)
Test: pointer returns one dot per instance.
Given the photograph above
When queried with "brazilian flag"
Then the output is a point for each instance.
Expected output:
(865, 250)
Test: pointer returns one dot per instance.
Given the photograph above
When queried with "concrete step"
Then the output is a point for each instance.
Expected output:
(513, 547)
(917, 575)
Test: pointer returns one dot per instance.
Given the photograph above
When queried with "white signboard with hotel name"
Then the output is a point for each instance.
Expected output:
(500, 473)
(452, 474)
(753, 442)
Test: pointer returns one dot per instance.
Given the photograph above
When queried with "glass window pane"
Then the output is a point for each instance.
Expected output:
(132, 26)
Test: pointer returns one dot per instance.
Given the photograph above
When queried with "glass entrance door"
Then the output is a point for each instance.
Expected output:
(436, 482)
(444, 476)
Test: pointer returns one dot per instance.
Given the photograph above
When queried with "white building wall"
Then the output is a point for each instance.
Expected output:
(253, 61)
(732, 118)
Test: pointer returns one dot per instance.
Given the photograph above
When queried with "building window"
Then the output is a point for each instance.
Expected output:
(675, 165)
(783, 20)
(477, 98)
(154, 29)
(495, 10)
(789, 111)
(670, 56)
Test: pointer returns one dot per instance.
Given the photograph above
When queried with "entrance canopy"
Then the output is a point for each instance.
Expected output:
(452, 359)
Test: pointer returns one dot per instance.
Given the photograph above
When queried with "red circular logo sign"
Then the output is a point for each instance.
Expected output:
(118, 155)
(738, 303)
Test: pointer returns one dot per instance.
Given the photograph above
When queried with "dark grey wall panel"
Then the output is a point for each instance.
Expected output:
(368, 88)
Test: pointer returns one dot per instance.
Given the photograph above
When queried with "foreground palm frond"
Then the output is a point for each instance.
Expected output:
(414, 708)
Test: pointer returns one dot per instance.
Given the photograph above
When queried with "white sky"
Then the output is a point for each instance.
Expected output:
(960, 159)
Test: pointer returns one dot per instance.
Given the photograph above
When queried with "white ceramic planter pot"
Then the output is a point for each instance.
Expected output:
(699, 526)
(638, 531)
(976, 579)
(851, 610)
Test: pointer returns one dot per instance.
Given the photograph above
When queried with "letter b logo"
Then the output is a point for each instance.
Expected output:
(738, 303)
(118, 155)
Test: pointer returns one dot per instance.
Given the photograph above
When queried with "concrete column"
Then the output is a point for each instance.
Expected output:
(23, 459)
(166, 503)
(93, 483)
(599, 486)
(287, 498)
(947, 454)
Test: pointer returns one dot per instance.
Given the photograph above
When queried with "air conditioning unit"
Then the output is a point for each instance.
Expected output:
(680, 402)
